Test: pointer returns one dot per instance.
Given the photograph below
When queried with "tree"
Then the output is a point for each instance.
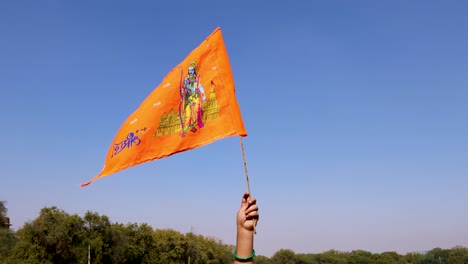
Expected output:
(141, 244)
(169, 246)
(4, 220)
(262, 260)
(332, 256)
(200, 249)
(360, 257)
(436, 255)
(389, 257)
(284, 256)
(7, 236)
(119, 243)
(52, 238)
(97, 237)
(7, 242)
(413, 258)
(458, 255)
(306, 259)
(216, 252)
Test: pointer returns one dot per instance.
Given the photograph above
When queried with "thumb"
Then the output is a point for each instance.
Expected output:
(245, 201)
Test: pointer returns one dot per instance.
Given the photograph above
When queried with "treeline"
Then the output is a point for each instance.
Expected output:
(456, 255)
(58, 237)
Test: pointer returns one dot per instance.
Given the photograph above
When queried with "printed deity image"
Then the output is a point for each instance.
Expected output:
(196, 106)
(192, 96)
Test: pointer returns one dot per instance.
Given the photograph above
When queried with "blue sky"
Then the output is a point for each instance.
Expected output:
(356, 113)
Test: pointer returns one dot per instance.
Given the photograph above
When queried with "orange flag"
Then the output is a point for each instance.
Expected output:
(194, 105)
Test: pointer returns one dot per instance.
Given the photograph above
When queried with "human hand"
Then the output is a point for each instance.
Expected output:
(248, 215)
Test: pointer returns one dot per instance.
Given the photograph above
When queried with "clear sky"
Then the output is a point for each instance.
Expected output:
(356, 113)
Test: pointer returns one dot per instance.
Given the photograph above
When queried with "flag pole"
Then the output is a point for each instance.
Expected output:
(247, 178)
(245, 165)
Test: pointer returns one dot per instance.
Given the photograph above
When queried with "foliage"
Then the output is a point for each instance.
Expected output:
(53, 231)
(458, 255)
(7, 242)
(262, 260)
(284, 256)
(455, 255)
(7, 237)
(4, 221)
(56, 236)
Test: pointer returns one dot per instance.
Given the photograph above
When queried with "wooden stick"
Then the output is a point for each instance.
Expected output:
(247, 178)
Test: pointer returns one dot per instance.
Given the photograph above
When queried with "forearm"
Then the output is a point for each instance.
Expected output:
(244, 244)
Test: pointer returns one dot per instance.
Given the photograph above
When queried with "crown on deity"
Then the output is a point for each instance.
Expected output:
(193, 65)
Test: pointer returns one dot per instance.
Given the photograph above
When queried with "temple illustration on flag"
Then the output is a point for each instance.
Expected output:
(170, 123)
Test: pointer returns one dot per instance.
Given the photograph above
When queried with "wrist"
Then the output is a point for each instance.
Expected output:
(242, 231)
(244, 242)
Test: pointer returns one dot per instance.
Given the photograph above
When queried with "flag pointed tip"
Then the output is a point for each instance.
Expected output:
(85, 184)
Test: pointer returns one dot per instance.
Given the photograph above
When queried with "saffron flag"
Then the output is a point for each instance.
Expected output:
(194, 105)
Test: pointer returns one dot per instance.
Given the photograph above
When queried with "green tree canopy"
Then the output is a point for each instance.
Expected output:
(284, 256)
(56, 236)
(4, 220)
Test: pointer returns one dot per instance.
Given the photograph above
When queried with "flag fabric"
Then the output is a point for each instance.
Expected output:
(194, 105)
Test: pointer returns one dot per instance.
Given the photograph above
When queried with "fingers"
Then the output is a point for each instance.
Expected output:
(252, 214)
(248, 199)
(245, 201)
(245, 197)
(249, 206)
(251, 209)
